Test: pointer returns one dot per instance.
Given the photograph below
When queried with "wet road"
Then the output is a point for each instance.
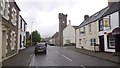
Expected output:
(60, 56)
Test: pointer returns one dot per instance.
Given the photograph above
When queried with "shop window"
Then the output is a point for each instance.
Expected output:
(111, 41)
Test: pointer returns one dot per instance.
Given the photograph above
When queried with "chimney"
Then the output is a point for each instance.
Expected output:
(110, 2)
(69, 22)
(86, 17)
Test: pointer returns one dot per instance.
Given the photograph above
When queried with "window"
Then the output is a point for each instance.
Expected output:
(4, 7)
(90, 28)
(101, 26)
(82, 30)
(5, 11)
(21, 23)
(14, 16)
(93, 42)
(13, 20)
(111, 41)
(106, 22)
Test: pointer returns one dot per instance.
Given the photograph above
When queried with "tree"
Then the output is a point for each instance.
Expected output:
(36, 37)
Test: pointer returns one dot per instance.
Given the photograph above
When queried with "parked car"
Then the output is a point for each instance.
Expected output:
(41, 48)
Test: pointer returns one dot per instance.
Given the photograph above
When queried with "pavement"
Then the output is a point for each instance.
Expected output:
(102, 55)
(23, 58)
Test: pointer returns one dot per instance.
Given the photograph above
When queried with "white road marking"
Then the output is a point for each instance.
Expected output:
(67, 57)
(32, 60)
(83, 66)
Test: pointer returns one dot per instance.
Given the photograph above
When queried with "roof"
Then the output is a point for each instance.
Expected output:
(75, 27)
(23, 19)
(113, 8)
(55, 35)
(94, 17)
(17, 6)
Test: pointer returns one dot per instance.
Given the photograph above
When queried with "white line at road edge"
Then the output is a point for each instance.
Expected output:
(67, 57)
(83, 66)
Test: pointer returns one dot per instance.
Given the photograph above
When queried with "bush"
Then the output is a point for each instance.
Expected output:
(28, 43)
(70, 44)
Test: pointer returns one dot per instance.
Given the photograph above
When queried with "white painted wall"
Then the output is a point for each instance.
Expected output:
(114, 22)
(22, 33)
(69, 34)
(85, 38)
(77, 39)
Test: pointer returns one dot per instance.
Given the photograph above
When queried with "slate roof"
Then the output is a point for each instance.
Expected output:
(113, 8)
(94, 17)
(104, 12)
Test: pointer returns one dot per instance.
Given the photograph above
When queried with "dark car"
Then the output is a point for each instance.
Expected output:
(41, 48)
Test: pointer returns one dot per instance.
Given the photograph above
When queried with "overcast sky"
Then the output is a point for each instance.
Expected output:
(44, 13)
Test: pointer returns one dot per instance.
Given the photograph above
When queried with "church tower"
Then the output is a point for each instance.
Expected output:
(62, 24)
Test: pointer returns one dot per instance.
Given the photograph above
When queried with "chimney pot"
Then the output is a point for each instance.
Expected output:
(86, 17)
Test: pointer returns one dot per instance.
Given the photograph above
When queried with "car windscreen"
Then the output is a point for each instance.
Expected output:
(41, 45)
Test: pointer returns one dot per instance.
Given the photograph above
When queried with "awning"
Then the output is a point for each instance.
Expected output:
(116, 31)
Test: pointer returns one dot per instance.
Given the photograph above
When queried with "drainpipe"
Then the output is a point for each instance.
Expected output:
(119, 13)
(1, 40)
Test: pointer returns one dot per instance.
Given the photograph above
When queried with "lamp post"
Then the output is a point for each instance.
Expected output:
(31, 33)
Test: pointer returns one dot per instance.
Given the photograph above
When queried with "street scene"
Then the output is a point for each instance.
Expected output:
(59, 34)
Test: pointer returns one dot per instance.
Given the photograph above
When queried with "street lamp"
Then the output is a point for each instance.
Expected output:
(31, 33)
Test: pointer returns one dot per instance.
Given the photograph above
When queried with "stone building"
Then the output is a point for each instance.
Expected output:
(62, 24)
(9, 28)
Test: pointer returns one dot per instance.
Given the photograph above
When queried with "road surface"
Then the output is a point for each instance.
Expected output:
(60, 56)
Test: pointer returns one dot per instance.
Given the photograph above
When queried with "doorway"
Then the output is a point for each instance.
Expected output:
(101, 46)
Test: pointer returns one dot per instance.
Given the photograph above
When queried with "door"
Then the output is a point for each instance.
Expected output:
(117, 43)
(101, 46)
(4, 40)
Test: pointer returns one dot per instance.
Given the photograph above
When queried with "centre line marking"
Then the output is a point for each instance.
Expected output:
(67, 57)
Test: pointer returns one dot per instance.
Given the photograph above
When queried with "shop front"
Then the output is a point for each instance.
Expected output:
(116, 34)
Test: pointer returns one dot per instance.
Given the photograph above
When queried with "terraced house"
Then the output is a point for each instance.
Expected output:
(101, 29)
(22, 33)
(88, 31)
(9, 28)
(109, 28)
